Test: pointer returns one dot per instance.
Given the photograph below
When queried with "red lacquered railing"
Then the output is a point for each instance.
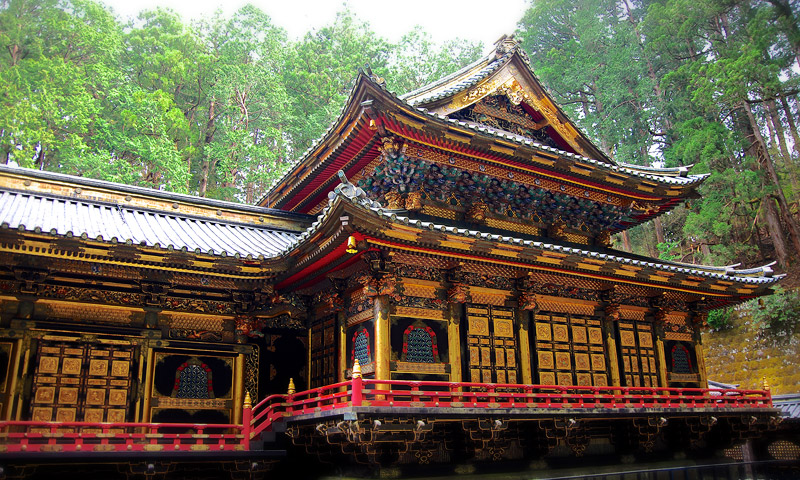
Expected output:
(30, 436)
(519, 398)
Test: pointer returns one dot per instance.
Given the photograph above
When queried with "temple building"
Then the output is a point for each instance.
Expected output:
(432, 283)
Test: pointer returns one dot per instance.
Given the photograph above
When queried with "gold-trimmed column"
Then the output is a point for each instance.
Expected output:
(341, 319)
(148, 382)
(524, 345)
(611, 316)
(454, 314)
(701, 360)
(662, 358)
(383, 346)
(14, 397)
(238, 388)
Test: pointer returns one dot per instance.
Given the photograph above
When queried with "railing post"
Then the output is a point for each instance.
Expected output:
(247, 418)
(765, 386)
(357, 385)
(290, 397)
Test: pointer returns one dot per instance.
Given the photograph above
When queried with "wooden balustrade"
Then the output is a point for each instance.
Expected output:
(31, 436)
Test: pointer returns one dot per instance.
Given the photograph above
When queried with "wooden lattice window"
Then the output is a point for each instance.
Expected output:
(361, 348)
(419, 344)
(681, 360)
(193, 380)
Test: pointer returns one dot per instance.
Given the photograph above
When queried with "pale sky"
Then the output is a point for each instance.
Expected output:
(443, 19)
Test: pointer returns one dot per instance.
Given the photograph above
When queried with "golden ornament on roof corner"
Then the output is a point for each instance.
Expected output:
(351, 245)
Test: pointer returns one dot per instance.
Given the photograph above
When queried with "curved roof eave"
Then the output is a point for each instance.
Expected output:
(347, 192)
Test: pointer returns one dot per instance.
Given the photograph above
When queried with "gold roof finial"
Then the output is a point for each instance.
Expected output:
(356, 369)
(248, 402)
(765, 384)
(292, 388)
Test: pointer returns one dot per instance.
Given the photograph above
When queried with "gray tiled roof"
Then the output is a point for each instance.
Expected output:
(789, 404)
(106, 222)
(470, 81)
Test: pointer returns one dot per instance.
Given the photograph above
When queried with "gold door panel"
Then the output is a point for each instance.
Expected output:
(569, 350)
(491, 344)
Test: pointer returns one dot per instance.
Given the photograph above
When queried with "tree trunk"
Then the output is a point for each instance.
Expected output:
(764, 160)
(626, 241)
(775, 231)
(777, 128)
(787, 109)
(206, 165)
(659, 227)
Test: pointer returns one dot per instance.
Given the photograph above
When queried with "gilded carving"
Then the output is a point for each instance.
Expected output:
(394, 201)
(116, 415)
(527, 301)
(44, 395)
(90, 295)
(195, 334)
(558, 229)
(67, 395)
(414, 201)
(42, 414)
(71, 366)
(503, 327)
(458, 293)
(120, 368)
(48, 365)
(98, 367)
(66, 414)
(612, 312)
(117, 397)
(477, 213)
(563, 361)
(93, 415)
(249, 326)
(95, 396)
(603, 239)
(543, 332)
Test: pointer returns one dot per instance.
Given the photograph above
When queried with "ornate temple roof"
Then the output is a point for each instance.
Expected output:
(68, 206)
(433, 117)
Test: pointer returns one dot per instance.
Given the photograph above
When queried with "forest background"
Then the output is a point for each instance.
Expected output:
(222, 106)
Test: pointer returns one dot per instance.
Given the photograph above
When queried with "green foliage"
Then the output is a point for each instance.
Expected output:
(669, 81)
(778, 313)
(218, 108)
(720, 319)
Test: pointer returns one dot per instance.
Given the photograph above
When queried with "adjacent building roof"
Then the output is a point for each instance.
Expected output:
(789, 405)
(43, 210)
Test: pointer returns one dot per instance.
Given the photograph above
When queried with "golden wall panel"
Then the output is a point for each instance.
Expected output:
(478, 326)
(45, 395)
(503, 327)
(48, 365)
(582, 361)
(98, 367)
